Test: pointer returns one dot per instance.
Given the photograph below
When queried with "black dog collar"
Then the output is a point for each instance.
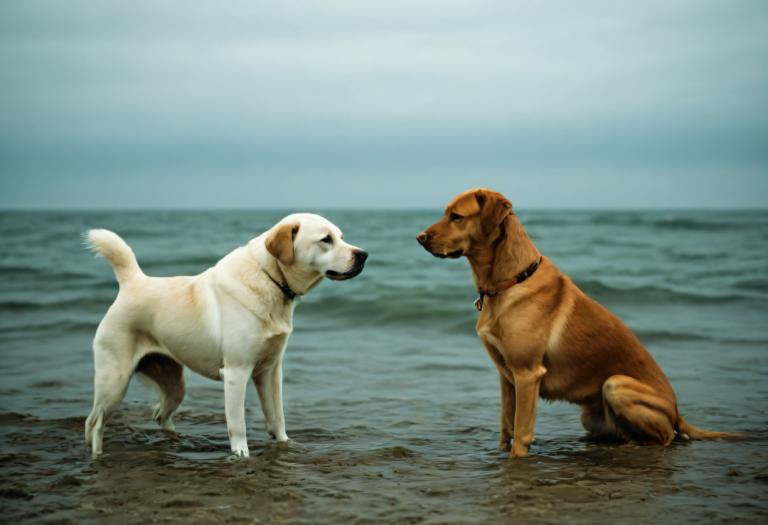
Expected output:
(517, 279)
(287, 290)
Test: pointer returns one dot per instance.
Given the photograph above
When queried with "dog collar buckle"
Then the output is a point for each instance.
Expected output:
(479, 303)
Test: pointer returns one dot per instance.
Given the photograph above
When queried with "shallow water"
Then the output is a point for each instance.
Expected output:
(391, 403)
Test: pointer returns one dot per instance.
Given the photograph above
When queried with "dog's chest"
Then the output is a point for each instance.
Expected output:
(518, 327)
(269, 348)
(518, 338)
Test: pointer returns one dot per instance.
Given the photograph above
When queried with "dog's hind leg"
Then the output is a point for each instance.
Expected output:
(113, 369)
(167, 377)
(600, 427)
(639, 411)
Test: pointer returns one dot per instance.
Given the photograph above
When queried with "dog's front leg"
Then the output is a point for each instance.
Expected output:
(276, 387)
(235, 380)
(269, 384)
(507, 387)
(527, 383)
(507, 423)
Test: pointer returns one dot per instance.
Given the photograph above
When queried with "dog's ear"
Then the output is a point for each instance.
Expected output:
(280, 242)
(466, 205)
(494, 207)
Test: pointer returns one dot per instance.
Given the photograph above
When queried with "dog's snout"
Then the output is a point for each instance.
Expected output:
(422, 237)
(360, 256)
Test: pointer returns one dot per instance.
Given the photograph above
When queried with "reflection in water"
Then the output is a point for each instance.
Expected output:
(584, 484)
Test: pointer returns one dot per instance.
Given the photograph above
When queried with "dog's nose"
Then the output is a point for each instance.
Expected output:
(361, 256)
(422, 237)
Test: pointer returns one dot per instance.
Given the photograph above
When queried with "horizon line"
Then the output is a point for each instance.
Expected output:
(123, 209)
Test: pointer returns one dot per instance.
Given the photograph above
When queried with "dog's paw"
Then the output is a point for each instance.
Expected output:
(280, 436)
(519, 450)
(240, 448)
(241, 452)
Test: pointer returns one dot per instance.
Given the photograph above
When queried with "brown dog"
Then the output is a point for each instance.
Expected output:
(547, 338)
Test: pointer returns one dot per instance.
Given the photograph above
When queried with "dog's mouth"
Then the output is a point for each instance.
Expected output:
(427, 245)
(450, 255)
(338, 276)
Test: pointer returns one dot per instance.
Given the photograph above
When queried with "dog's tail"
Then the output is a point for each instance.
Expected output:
(114, 249)
(688, 431)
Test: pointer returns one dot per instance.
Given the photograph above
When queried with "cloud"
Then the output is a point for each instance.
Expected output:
(377, 89)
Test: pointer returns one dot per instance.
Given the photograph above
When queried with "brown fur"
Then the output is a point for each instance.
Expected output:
(548, 339)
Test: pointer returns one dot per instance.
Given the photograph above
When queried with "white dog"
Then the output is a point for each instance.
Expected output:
(230, 322)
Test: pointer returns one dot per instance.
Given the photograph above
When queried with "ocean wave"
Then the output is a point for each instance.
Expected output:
(453, 316)
(698, 257)
(48, 273)
(559, 222)
(14, 418)
(447, 367)
(203, 262)
(653, 336)
(751, 284)
(655, 294)
(611, 219)
(689, 224)
(679, 222)
(451, 309)
(89, 303)
(54, 326)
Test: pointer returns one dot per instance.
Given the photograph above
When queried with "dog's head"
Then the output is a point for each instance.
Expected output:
(471, 218)
(312, 244)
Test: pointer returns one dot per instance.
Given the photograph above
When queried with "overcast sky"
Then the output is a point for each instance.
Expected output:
(383, 104)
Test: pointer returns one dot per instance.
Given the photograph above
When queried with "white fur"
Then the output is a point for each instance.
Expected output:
(229, 322)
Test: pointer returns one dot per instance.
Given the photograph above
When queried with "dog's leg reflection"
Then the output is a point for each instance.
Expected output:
(269, 384)
(235, 381)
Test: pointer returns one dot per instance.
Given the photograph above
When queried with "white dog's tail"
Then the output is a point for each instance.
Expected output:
(114, 249)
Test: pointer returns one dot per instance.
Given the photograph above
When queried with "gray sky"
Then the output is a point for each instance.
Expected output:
(383, 104)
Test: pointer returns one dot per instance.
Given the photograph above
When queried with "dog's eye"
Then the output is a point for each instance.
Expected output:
(455, 217)
(327, 239)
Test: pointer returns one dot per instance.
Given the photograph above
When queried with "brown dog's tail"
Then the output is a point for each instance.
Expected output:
(688, 431)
